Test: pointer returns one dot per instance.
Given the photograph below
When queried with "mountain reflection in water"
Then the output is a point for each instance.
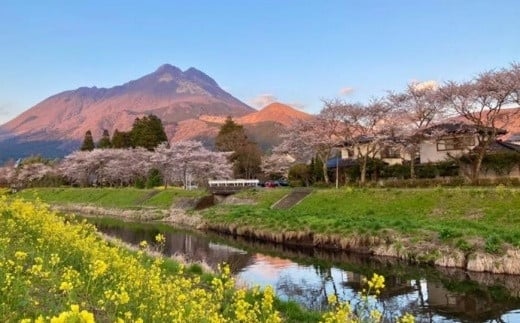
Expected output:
(309, 276)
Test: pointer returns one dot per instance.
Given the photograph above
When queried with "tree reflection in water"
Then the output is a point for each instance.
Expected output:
(309, 276)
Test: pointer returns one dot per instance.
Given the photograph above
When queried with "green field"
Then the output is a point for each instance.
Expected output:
(123, 198)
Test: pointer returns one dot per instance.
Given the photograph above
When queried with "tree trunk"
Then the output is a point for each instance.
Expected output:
(325, 172)
(363, 169)
(412, 168)
(477, 164)
(476, 168)
(413, 153)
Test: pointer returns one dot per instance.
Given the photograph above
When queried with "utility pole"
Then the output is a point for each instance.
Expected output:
(337, 169)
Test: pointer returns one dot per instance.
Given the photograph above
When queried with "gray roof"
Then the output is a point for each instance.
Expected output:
(460, 128)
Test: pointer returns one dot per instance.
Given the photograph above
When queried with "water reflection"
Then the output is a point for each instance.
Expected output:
(193, 247)
(309, 276)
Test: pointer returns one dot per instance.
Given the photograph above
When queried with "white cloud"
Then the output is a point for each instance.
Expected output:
(426, 85)
(262, 100)
(346, 90)
(297, 105)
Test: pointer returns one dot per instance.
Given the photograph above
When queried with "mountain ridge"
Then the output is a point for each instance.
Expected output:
(169, 92)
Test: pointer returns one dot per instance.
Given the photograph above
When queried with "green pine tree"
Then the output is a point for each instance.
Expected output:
(246, 157)
(121, 139)
(104, 142)
(231, 136)
(148, 132)
(88, 142)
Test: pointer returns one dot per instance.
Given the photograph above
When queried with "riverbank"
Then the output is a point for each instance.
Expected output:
(476, 229)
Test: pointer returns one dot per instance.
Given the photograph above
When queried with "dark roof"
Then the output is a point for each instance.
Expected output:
(331, 163)
(456, 128)
(501, 146)
(366, 139)
(514, 137)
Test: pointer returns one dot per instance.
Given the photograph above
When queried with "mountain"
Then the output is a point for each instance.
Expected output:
(508, 119)
(169, 93)
(275, 112)
(511, 122)
(190, 104)
(263, 126)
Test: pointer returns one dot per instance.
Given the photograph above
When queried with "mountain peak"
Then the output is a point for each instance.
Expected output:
(278, 112)
(168, 68)
(276, 106)
(196, 75)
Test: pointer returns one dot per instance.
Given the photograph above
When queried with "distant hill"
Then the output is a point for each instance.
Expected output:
(509, 119)
(263, 126)
(276, 112)
(512, 125)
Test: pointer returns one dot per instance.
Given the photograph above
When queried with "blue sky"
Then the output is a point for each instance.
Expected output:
(295, 51)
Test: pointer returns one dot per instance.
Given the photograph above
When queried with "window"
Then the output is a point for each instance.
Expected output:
(390, 152)
(455, 143)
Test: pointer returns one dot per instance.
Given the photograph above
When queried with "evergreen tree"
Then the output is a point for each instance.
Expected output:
(247, 161)
(231, 136)
(246, 157)
(317, 170)
(104, 142)
(148, 132)
(121, 139)
(88, 142)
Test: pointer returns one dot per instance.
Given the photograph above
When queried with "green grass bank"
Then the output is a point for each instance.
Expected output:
(473, 228)
(122, 198)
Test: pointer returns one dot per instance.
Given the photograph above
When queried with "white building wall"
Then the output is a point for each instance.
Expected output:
(429, 154)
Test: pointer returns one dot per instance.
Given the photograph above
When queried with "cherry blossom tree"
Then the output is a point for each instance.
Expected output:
(481, 102)
(316, 137)
(278, 162)
(7, 175)
(28, 173)
(109, 167)
(188, 161)
(418, 107)
(365, 128)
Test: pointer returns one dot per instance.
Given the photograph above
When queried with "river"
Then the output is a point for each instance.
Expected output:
(308, 276)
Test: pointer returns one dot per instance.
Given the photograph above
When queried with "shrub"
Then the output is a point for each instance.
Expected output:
(154, 178)
(300, 172)
(493, 244)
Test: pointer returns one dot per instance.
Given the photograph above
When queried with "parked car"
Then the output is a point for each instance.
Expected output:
(271, 184)
(282, 182)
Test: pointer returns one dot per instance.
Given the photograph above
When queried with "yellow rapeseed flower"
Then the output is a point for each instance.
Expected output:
(160, 238)
(20, 255)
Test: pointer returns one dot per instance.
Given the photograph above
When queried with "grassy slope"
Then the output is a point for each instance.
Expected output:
(127, 198)
(457, 215)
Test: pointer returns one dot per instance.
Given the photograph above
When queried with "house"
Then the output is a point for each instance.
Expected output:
(390, 150)
(436, 144)
(450, 140)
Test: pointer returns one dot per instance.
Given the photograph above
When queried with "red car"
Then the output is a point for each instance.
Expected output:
(271, 184)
